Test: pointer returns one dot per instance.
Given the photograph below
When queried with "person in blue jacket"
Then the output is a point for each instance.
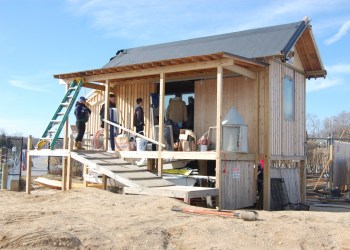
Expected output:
(82, 113)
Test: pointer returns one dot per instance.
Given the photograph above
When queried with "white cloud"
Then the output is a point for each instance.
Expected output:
(26, 85)
(156, 21)
(339, 69)
(320, 84)
(343, 31)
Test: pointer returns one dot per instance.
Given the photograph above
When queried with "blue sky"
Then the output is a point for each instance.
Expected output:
(40, 38)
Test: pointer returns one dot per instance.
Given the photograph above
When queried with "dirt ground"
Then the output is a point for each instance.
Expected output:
(90, 218)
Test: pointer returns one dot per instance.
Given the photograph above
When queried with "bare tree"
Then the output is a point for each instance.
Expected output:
(312, 125)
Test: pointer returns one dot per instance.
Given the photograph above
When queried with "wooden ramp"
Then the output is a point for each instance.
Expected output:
(123, 172)
(138, 180)
(184, 192)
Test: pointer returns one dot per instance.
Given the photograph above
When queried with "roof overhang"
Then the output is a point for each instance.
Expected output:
(309, 55)
(172, 67)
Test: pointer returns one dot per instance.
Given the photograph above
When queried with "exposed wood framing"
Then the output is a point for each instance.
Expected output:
(219, 130)
(69, 165)
(266, 142)
(106, 115)
(302, 165)
(65, 139)
(161, 122)
(164, 70)
(242, 71)
(29, 166)
(93, 86)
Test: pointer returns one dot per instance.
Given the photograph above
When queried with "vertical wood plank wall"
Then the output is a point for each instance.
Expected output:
(126, 95)
(287, 137)
(238, 92)
(238, 191)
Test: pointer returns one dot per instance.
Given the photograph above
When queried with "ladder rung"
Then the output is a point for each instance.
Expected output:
(56, 121)
(65, 103)
(52, 131)
(61, 113)
(46, 139)
(73, 88)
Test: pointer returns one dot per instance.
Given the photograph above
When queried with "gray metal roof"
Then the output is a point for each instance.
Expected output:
(255, 43)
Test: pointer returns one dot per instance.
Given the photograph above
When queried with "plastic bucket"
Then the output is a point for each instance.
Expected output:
(203, 147)
(141, 144)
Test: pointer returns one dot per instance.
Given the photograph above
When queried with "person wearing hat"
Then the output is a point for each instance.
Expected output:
(113, 116)
(102, 110)
(82, 113)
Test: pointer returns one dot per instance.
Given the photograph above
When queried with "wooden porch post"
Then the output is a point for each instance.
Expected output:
(161, 122)
(219, 132)
(266, 143)
(65, 146)
(69, 167)
(29, 166)
(106, 115)
(302, 181)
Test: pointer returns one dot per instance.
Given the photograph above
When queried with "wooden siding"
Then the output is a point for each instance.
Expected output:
(237, 180)
(291, 178)
(238, 92)
(126, 95)
(287, 137)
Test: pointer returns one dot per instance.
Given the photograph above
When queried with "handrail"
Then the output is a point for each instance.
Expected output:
(134, 133)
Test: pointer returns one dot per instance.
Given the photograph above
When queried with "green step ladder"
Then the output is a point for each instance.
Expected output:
(55, 126)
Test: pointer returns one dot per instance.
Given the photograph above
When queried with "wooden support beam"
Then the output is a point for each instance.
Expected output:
(242, 71)
(219, 131)
(266, 142)
(66, 140)
(93, 86)
(106, 115)
(302, 165)
(29, 165)
(69, 166)
(161, 122)
(85, 172)
(104, 182)
(160, 70)
(4, 175)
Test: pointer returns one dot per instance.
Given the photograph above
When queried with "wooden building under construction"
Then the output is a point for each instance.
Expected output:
(261, 73)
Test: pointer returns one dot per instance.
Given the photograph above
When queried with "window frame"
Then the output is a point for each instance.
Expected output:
(288, 93)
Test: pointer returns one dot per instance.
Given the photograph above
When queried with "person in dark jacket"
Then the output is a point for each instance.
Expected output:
(102, 110)
(139, 121)
(190, 113)
(82, 114)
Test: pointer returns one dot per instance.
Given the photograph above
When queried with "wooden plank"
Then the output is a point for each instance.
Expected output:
(69, 166)
(160, 70)
(161, 122)
(183, 192)
(49, 183)
(302, 184)
(218, 133)
(209, 155)
(266, 139)
(93, 86)
(48, 152)
(106, 114)
(241, 71)
(29, 165)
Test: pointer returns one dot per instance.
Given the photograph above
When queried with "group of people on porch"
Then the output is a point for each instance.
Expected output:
(177, 112)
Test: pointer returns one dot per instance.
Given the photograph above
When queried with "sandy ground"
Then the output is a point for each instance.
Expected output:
(90, 218)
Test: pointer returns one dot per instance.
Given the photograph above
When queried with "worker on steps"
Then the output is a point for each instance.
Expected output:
(82, 113)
